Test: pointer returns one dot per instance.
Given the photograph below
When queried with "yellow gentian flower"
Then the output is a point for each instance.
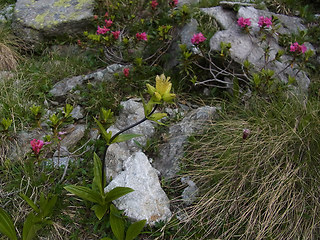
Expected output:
(162, 89)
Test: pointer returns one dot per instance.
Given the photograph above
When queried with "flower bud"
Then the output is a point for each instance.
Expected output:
(246, 133)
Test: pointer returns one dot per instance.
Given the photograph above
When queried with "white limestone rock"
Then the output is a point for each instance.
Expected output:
(148, 201)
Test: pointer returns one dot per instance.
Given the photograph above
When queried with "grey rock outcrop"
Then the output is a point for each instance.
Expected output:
(75, 134)
(245, 47)
(117, 153)
(34, 20)
(148, 201)
(65, 86)
(61, 157)
(189, 2)
(190, 193)
(172, 151)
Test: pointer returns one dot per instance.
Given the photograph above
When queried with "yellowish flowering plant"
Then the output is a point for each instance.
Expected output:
(161, 93)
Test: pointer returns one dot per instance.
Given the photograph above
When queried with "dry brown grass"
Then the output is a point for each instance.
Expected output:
(9, 45)
(8, 57)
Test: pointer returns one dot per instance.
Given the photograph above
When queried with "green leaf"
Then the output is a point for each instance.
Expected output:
(106, 135)
(125, 137)
(6, 225)
(117, 192)
(105, 238)
(67, 110)
(116, 222)
(256, 79)
(85, 193)
(30, 202)
(157, 116)
(135, 229)
(100, 210)
(30, 227)
(48, 207)
(97, 171)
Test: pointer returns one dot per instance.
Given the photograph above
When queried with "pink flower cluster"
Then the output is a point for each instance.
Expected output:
(244, 22)
(126, 72)
(142, 36)
(173, 3)
(108, 22)
(116, 34)
(103, 30)
(36, 145)
(295, 47)
(198, 38)
(154, 4)
(264, 22)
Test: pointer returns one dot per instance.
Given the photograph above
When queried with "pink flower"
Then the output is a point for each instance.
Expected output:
(108, 22)
(79, 42)
(126, 72)
(106, 14)
(142, 36)
(103, 30)
(36, 145)
(198, 38)
(264, 22)
(116, 34)
(62, 133)
(95, 17)
(292, 48)
(244, 22)
(302, 48)
(173, 3)
(154, 4)
(295, 47)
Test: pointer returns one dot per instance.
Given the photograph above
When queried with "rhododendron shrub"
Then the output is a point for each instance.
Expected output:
(264, 22)
(126, 72)
(142, 36)
(36, 146)
(154, 4)
(198, 38)
(295, 47)
(244, 22)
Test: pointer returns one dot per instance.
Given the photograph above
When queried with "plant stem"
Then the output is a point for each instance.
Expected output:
(116, 135)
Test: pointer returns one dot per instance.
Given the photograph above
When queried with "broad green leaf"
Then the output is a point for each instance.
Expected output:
(30, 202)
(157, 116)
(43, 201)
(105, 238)
(125, 137)
(85, 193)
(116, 222)
(106, 135)
(100, 210)
(6, 225)
(48, 207)
(97, 171)
(117, 192)
(30, 227)
(135, 229)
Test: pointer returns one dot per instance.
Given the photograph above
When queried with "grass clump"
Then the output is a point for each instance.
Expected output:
(264, 187)
(9, 44)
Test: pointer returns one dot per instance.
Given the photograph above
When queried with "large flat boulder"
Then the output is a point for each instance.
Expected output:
(34, 20)
(148, 201)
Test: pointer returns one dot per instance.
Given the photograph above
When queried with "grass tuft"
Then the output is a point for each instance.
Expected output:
(264, 187)
(9, 55)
